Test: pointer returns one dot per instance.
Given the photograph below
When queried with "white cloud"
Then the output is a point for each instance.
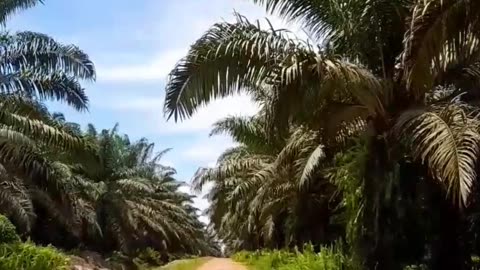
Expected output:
(168, 163)
(185, 189)
(196, 17)
(204, 219)
(201, 121)
(133, 104)
(199, 201)
(157, 69)
(205, 151)
(205, 117)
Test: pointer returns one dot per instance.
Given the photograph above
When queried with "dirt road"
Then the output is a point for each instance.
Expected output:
(221, 264)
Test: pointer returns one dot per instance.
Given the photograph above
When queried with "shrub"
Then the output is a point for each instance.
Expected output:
(119, 260)
(148, 257)
(8, 233)
(27, 256)
(475, 263)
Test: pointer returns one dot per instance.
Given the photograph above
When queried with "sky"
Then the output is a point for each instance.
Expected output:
(134, 45)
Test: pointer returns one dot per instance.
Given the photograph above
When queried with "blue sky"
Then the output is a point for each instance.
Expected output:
(134, 44)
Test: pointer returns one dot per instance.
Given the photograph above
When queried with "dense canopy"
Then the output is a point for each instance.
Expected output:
(365, 132)
(82, 189)
(366, 143)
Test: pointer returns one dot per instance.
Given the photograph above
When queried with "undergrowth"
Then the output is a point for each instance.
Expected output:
(27, 256)
(8, 232)
(331, 258)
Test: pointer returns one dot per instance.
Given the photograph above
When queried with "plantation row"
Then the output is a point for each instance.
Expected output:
(101, 198)
(367, 136)
(363, 154)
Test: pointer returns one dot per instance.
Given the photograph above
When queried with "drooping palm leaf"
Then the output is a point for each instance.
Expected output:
(9, 7)
(37, 65)
(227, 59)
(448, 141)
(437, 28)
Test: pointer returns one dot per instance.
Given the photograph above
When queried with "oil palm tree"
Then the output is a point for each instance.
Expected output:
(264, 192)
(395, 67)
(136, 199)
(34, 67)
(124, 200)
(34, 146)
(10, 7)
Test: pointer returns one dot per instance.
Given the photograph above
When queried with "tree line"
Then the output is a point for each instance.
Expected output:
(368, 133)
(81, 189)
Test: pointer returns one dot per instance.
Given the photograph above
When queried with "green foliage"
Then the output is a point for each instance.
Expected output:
(328, 258)
(475, 262)
(346, 174)
(77, 189)
(8, 233)
(416, 267)
(266, 189)
(27, 256)
(148, 257)
(362, 80)
(295, 176)
(137, 200)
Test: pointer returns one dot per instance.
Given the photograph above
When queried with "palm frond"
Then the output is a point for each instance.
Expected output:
(228, 169)
(311, 164)
(227, 59)
(36, 65)
(31, 51)
(319, 17)
(160, 155)
(447, 140)
(15, 202)
(9, 7)
(368, 31)
(244, 130)
(40, 131)
(436, 29)
(299, 143)
(134, 186)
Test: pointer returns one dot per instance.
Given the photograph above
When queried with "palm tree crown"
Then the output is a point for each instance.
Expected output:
(391, 71)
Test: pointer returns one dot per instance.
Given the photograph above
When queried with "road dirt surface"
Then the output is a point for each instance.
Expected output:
(222, 264)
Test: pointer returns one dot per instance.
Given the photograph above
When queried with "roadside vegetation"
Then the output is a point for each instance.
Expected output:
(368, 133)
(363, 154)
(79, 189)
(308, 258)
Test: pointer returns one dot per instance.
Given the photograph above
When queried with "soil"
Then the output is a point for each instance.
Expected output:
(222, 264)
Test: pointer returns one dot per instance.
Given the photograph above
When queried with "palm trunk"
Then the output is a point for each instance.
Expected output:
(449, 250)
(377, 246)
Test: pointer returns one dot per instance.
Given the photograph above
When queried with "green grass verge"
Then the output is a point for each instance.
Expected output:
(325, 259)
(191, 264)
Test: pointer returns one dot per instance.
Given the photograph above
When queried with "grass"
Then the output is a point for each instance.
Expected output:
(191, 264)
(28, 256)
(330, 258)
